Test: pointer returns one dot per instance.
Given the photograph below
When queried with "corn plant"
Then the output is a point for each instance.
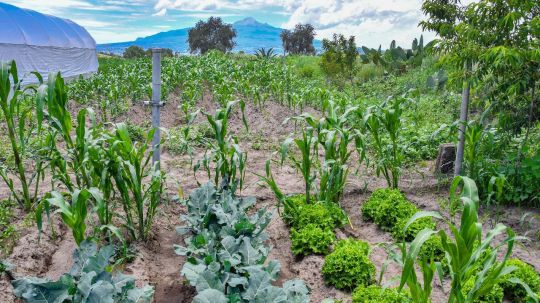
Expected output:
(307, 145)
(139, 183)
(72, 158)
(383, 123)
(223, 151)
(335, 137)
(16, 105)
(469, 254)
(75, 211)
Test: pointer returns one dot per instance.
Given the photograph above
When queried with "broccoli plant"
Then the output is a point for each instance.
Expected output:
(227, 253)
(89, 280)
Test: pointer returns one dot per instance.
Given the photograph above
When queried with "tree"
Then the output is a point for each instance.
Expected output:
(300, 40)
(134, 52)
(339, 57)
(165, 52)
(493, 44)
(211, 35)
(266, 54)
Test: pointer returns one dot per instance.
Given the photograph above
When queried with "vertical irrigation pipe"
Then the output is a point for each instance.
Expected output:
(156, 103)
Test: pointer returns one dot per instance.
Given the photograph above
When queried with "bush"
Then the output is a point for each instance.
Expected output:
(495, 295)
(306, 72)
(375, 293)
(348, 266)
(527, 274)
(134, 52)
(386, 206)
(311, 239)
(400, 234)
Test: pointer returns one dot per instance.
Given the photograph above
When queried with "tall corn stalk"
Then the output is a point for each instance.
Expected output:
(18, 118)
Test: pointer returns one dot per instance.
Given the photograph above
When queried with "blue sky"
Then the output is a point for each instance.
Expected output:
(373, 22)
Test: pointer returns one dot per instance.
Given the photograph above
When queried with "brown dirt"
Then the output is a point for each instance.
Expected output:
(157, 264)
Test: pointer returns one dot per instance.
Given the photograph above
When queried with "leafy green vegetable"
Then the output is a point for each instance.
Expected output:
(377, 294)
(386, 206)
(348, 266)
(89, 280)
(227, 254)
(527, 274)
(311, 239)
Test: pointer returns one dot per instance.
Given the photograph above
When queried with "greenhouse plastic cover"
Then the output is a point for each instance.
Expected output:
(44, 43)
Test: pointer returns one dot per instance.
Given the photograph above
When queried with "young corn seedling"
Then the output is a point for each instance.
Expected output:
(74, 212)
(138, 182)
(224, 152)
(383, 123)
(307, 145)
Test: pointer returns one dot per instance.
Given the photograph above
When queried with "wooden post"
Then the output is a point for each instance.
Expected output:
(156, 103)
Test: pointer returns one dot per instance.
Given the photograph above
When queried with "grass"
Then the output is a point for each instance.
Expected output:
(7, 230)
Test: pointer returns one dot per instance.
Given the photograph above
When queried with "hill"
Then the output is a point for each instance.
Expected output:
(250, 36)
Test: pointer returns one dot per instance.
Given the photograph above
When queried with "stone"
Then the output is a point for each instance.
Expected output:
(446, 159)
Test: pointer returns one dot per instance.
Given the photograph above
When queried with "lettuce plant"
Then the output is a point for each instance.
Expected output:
(349, 266)
(386, 206)
(89, 280)
(525, 273)
(375, 293)
(311, 239)
(226, 251)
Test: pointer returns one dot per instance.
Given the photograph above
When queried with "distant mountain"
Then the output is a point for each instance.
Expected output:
(250, 36)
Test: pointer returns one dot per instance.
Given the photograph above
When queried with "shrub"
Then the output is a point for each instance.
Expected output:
(495, 295)
(375, 293)
(306, 72)
(527, 274)
(400, 234)
(348, 266)
(134, 52)
(311, 239)
(386, 206)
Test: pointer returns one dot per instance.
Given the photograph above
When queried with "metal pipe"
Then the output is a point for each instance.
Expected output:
(156, 103)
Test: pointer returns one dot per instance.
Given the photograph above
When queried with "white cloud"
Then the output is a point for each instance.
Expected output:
(108, 36)
(161, 13)
(52, 6)
(93, 23)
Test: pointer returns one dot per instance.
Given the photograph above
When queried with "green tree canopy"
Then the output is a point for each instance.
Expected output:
(300, 40)
(211, 35)
(133, 52)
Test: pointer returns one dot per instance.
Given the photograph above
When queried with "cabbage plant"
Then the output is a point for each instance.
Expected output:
(89, 280)
(226, 251)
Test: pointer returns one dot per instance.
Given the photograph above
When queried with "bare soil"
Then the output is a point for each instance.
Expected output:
(157, 264)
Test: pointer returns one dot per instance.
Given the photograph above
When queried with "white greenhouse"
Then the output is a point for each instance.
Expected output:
(44, 43)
